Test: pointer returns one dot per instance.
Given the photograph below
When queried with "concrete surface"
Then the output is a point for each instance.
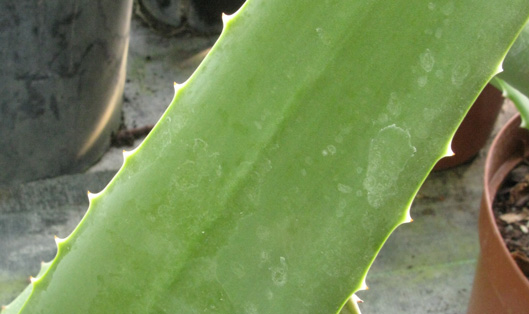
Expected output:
(425, 267)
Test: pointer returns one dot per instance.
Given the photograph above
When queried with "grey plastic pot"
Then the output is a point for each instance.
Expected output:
(63, 72)
(175, 16)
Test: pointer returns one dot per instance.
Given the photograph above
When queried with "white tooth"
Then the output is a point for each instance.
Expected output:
(364, 286)
(226, 18)
(91, 195)
(499, 69)
(177, 86)
(127, 154)
(408, 216)
(57, 239)
(449, 151)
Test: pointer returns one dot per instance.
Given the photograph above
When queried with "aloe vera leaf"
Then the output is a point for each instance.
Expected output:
(516, 65)
(514, 80)
(520, 100)
(284, 162)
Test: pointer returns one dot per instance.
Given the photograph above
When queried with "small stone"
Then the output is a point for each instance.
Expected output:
(513, 217)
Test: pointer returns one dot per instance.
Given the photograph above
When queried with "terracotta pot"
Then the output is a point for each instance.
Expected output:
(475, 129)
(499, 284)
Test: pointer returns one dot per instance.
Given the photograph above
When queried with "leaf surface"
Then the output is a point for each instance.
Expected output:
(284, 162)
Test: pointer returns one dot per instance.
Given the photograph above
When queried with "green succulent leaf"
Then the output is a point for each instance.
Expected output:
(516, 65)
(284, 162)
(520, 100)
(514, 80)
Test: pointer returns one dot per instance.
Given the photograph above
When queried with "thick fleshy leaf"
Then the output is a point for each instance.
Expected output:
(514, 80)
(284, 162)
(520, 100)
(516, 64)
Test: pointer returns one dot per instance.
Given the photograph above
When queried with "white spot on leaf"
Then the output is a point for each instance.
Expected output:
(427, 60)
(459, 73)
(323, 36)
(279, 273)
(422, 81)
(389, 152)
(344, 188)
(394, 104)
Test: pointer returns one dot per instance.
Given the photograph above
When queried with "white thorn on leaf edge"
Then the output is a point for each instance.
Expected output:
(449, 152)
(91, 195)
(499, 69)
(226, 18)
(177, 86)
(32, 279)
(364, 286)
(43, 263)
(356, 299)
(408, 217)
(57, 240)
(126, 154)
